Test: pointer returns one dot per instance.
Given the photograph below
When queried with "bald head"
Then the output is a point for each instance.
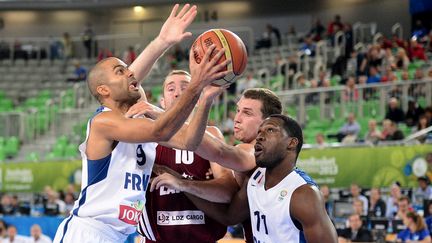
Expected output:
(97, 75)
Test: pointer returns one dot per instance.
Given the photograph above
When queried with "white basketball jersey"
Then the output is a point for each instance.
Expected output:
(270, 209)
(113, 188)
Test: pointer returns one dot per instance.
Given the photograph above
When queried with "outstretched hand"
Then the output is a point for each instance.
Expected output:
(173, 30)
(208, 69)
(166, 180)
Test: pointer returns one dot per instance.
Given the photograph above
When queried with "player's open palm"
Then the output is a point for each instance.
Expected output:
(209, 69)
(173, 30)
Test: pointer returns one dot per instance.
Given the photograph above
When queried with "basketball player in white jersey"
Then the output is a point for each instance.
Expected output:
(119, 152)
(283, 202)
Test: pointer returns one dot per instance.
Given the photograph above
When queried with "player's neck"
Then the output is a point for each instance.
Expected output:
(278, 173)
(117, 106)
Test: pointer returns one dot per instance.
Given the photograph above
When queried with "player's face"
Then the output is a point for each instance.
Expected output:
(270, 141)
(247, 119)
(174, 86)
(121, 81)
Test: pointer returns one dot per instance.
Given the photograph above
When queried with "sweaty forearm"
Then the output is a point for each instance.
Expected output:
(216, 211)
(197, 126)
(214, 190)
(172, 120)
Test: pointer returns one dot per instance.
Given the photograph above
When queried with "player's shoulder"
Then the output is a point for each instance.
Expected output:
(307, 192)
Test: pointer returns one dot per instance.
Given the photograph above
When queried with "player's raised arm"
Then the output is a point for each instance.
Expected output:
(307, 206)
(173, 31)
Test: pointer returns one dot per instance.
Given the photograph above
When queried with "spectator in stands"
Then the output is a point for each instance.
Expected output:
(322, 78)
(394, 112)
(301, 81)
(247, 82)
(53, 205)
(320, 141)
(349, 39)
(328, 201)
(393, 199)
(404, 206)
(402, 60)
(357, 205)
(6, 206)
(416, 51)
(335, 26)
(350, 92)
(391, 131)
(3, 230)
(428, 219)
(419, 30)
(423, 191)
(87, 38)
(429, 73)
(80, 73)
(317, 31)
(313, 98)
(129, 55)
(308, 46)
(67, 50)
(413, 113)
(377, 206)
(13, 237)
(54, 48)
(389, 60)
(356, 194)
(416, 230)
(273, 31)
(419, 75)
(405, 75)
(349, 131)
(423, 124)
(428, 115)
(374, 134)
(356, 232)
(37, 236)
(373, 77)
(389, 76)
(104, 53)
(69, 201)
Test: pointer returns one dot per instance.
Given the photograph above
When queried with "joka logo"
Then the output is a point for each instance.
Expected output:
(129, 215)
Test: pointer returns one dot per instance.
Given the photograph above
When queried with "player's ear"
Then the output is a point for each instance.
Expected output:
(292, 143)
(103, 90)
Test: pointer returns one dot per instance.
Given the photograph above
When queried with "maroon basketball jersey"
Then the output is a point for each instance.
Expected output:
(173, 217)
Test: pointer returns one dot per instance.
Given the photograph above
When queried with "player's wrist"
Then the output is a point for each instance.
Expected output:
(162, 42)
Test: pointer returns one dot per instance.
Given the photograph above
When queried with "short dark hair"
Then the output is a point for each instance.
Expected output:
(271, 103)
(292, 128)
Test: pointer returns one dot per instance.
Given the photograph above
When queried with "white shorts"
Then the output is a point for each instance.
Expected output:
(86, 230)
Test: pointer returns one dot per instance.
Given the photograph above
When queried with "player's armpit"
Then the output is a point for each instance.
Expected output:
(307, 206)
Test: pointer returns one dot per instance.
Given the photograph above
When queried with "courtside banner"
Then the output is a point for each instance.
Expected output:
(33, 177)
(367, 166)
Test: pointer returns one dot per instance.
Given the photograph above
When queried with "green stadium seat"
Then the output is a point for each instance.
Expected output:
(313, 113)
(2, 154)
(63, 140)
(58, 150)
(12, 146)
(71, 151)
(2, 94)
(33, 156)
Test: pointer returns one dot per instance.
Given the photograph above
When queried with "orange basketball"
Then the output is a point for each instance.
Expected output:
(234, 50)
